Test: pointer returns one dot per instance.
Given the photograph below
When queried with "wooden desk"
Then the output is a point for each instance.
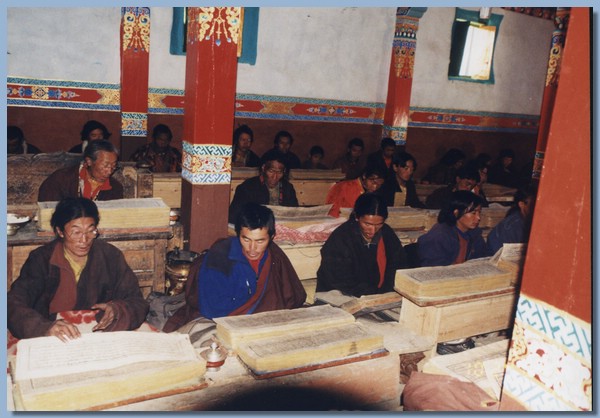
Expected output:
(369, 385)
(460, 317)
(144, 250)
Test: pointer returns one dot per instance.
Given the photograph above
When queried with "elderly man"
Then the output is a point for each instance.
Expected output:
(270, 187)
(90, 179)
(241, 275)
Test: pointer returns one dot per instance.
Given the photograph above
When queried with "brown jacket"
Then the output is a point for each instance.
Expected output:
(105, 278)
(65, 183)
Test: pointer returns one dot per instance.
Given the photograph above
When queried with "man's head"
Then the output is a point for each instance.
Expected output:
(316, 154)
(93, 130)
(255, 228)
(243, 137)
(100, 158)
(525, 201)
(283, 141)
(161, 136)
(273, 171)
(15, 139)
(370, 211)
(404, 165)
(463, 210)
(506, 157)
(372, 178)
(466, 178)
(356, 146)
(388, 147)
(454, 158)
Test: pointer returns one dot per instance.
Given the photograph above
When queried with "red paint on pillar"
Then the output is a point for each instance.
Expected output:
(558, 266)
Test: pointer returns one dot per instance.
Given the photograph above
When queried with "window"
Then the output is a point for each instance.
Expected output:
(472, 50)
(249, 34)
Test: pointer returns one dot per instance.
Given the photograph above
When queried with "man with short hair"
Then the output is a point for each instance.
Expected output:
(159, 155)
(270, 187)
(91, 178)
(351, 163)
(344, 193)
(467, 178)
(282, 148)
(240, 275)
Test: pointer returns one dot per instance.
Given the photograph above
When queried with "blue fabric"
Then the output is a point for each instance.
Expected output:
(509, 230)
(224, 288)
(249, 36)
(440, 246)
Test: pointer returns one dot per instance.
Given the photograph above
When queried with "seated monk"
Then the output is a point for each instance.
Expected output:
(74, 272)
(270, 187)
(361, 256)
(91, 179)
(241, 275)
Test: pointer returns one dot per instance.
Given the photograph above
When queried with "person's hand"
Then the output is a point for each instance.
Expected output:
(110, 315)
(64, 331)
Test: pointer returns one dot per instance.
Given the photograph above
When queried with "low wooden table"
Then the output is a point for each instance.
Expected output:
(461, 316)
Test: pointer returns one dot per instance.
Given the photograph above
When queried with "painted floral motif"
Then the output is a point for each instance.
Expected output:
(215, 23)
(136, 29)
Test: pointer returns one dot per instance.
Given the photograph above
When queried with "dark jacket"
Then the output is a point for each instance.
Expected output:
(349, 266)
(440, 246)
(511, 229)
(285, 291)
(290, 159)
(105, 278)
(391, 187)
(376, 159)
(64, 182)
(255, 190)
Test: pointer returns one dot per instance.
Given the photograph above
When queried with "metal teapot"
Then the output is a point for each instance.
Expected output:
(177, 270)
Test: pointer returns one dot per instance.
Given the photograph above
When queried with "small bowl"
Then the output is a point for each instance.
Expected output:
(14, 222)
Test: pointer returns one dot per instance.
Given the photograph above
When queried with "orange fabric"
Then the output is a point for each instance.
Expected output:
(343, 195)
(85, 185)
(462, 251)
(381, 261)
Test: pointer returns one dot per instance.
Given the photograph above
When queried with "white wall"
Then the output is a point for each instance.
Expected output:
(75, 44)
(520, 61)
(323, 53)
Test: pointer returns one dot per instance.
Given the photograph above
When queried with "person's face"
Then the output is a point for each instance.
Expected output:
(459, 164)
(78, 236)
(356, 151)
(254, 242)
(244, 142)
(405, 173)
(506, 161)
(388, 152)
(370, 225)
(95, 135)
(162, 140)
(465, 184)
(469, 220)
(273, 171)
(284, 144)
(372, 183)
(316, 159)
(103, 167)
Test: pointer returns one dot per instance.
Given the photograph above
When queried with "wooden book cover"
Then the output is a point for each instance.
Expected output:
(233, 330)
(301, 349)
(473, 276)
(405, 217)
(121, 213)
(102, 369)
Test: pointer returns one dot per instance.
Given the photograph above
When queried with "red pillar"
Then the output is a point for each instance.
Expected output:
(210, 80)
(550, 360)
(135, 52)
(397, 107)
(552, 76)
